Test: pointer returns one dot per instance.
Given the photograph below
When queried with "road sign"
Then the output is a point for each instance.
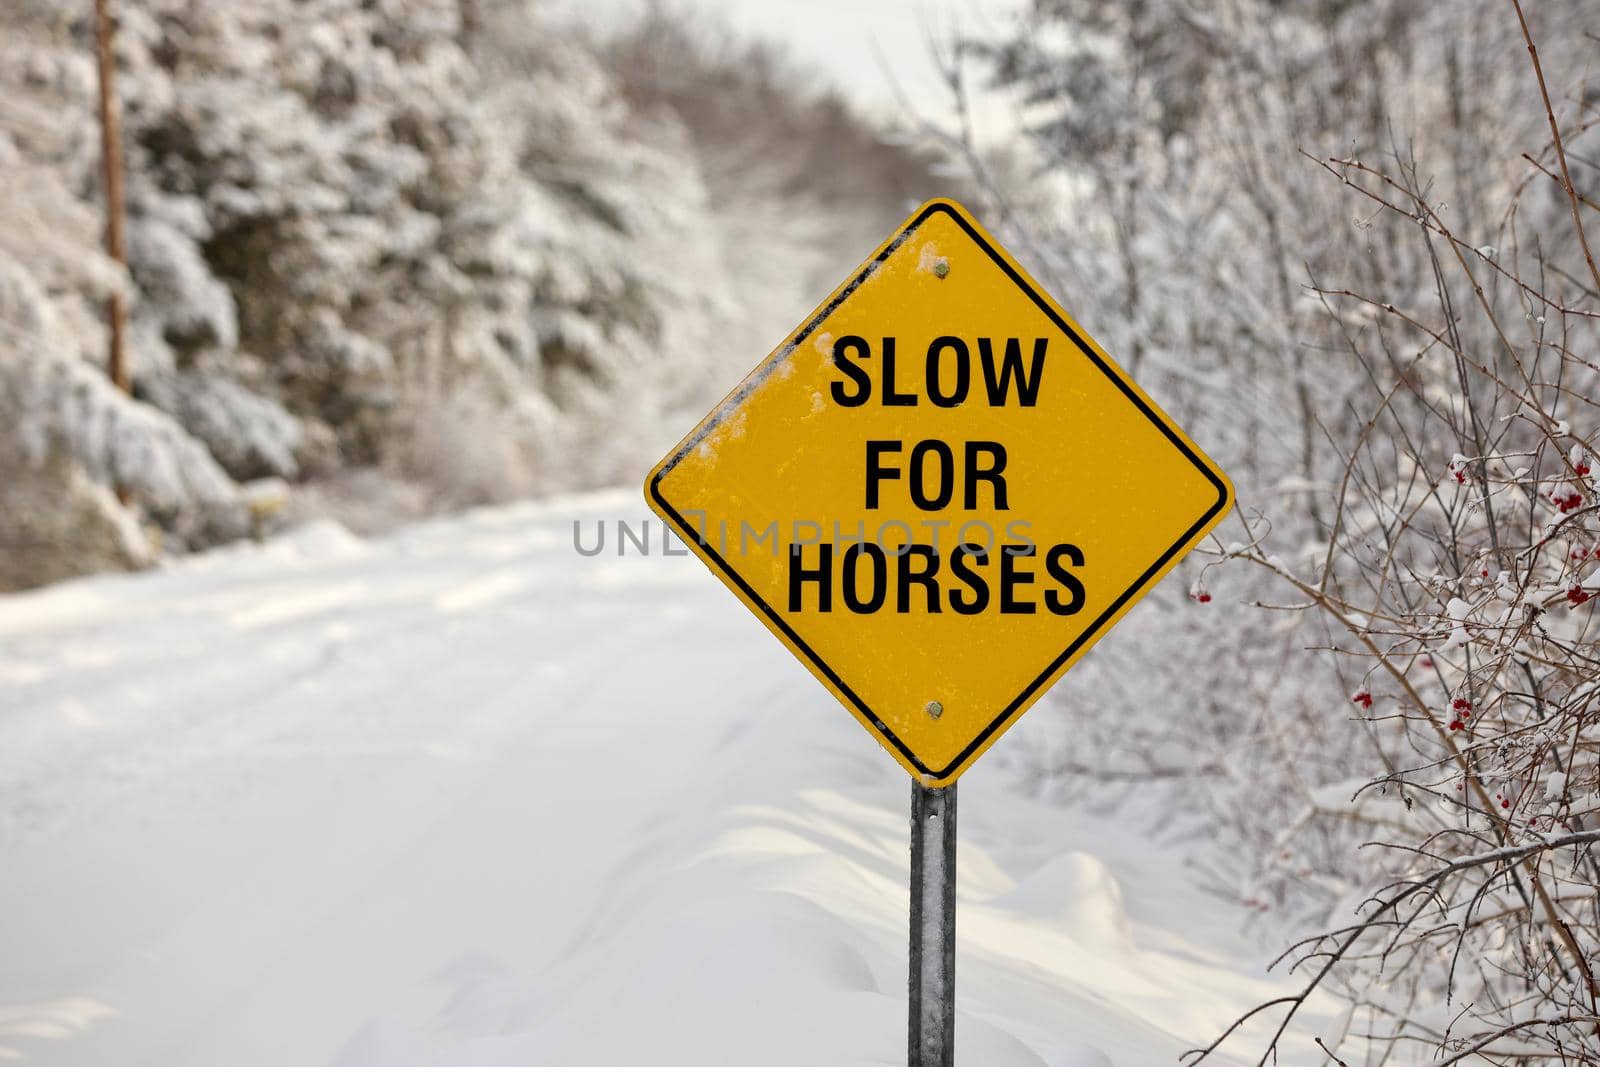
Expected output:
(938, 492)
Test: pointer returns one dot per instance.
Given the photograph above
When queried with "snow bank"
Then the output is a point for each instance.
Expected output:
(461, 796)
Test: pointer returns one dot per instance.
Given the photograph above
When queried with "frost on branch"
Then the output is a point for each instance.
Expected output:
(1383, 324)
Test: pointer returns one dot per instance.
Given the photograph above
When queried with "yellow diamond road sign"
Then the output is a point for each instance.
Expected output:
(938, 492)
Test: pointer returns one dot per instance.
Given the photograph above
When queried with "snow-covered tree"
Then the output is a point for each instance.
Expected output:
(66, 435)
(439, 240)
(415, 214)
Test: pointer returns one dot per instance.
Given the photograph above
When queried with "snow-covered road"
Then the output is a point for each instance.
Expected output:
(463, 796)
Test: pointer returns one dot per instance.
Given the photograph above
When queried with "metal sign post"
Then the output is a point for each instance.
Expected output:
(932, 1031)
(938, 485)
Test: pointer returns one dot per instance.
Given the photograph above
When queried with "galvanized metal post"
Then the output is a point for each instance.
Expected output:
(933, 927)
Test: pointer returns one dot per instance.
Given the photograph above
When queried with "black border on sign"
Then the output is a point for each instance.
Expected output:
(729, 405)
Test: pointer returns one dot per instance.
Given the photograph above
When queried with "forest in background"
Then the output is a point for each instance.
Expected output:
(414, 255)
(405, 257)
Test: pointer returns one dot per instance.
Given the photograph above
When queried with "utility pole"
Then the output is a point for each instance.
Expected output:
(111, 158)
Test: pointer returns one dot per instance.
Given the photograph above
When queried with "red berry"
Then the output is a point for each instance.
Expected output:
(1363, 698)
(1582, 468)
(1577, 595)
(1505, 803)
(1461, 704)
(1569, 501)
(1455, 724)
(1204, 598)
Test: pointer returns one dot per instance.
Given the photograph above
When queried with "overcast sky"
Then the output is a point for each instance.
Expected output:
(864, 46)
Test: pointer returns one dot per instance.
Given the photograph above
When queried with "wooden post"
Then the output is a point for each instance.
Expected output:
(111, 157)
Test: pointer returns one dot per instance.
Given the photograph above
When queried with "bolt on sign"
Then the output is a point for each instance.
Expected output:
(939, 492)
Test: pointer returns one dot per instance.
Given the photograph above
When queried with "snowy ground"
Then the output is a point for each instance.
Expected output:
(462, 796)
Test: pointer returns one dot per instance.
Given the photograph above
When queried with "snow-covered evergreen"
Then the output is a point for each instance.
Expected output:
(64, 429)
(435, 240)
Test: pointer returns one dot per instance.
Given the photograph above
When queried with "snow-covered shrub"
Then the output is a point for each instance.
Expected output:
(1408, 459)
(1458, 580)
